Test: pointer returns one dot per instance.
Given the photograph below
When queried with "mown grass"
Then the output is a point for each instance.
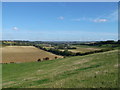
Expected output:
(90, 71)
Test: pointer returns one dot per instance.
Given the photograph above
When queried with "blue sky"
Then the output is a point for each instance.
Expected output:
(60, 21)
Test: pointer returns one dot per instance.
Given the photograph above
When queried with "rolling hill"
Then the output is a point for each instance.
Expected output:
(99, 70)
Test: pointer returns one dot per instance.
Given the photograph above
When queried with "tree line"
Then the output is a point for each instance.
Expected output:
(69, 53)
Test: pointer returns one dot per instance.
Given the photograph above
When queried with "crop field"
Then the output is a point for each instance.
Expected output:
(82, 49)
(99, 70)
(24, 54)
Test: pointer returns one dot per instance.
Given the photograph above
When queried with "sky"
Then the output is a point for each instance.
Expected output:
(60, 21)
(60, 0)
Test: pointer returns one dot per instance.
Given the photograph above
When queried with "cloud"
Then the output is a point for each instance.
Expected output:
(81, 19)
(111, 17)
(100, 20)
(15, 28)
(96, 20)
(61, 18)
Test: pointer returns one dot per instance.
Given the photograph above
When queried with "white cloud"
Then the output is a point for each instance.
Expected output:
(100, 20)
(113, 16)
(81, 19)
(61, 18)
(15, 28)
(96, 20)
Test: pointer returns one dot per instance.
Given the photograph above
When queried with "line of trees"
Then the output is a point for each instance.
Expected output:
(109, 43)
(56, 51)
(69, 53)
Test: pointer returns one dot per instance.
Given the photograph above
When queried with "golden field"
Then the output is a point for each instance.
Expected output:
(18, 54)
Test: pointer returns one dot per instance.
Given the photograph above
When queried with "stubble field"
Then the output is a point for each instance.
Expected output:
(18, 54)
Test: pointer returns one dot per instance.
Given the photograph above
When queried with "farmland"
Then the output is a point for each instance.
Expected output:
(59, 45)
(99, 70)
(24, 54)
(83, 67)
(82, 49)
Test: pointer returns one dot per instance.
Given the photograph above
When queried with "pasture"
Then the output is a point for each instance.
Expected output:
(20, 54)
(82, 49)
(99, 70)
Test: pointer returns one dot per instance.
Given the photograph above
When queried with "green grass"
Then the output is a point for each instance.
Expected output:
(83, 48)
(90, 71)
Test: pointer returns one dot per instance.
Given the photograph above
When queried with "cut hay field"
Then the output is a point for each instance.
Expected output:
(24, 54)
(99, 70)
(82, 49)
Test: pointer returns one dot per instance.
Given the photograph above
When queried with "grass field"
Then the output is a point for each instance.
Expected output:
(90, 71)
(82, 48)
(24, 54)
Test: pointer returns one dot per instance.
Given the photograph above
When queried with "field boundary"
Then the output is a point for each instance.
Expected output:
(69, 53)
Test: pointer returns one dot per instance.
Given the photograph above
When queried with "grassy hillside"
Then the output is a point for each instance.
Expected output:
(90, 71)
